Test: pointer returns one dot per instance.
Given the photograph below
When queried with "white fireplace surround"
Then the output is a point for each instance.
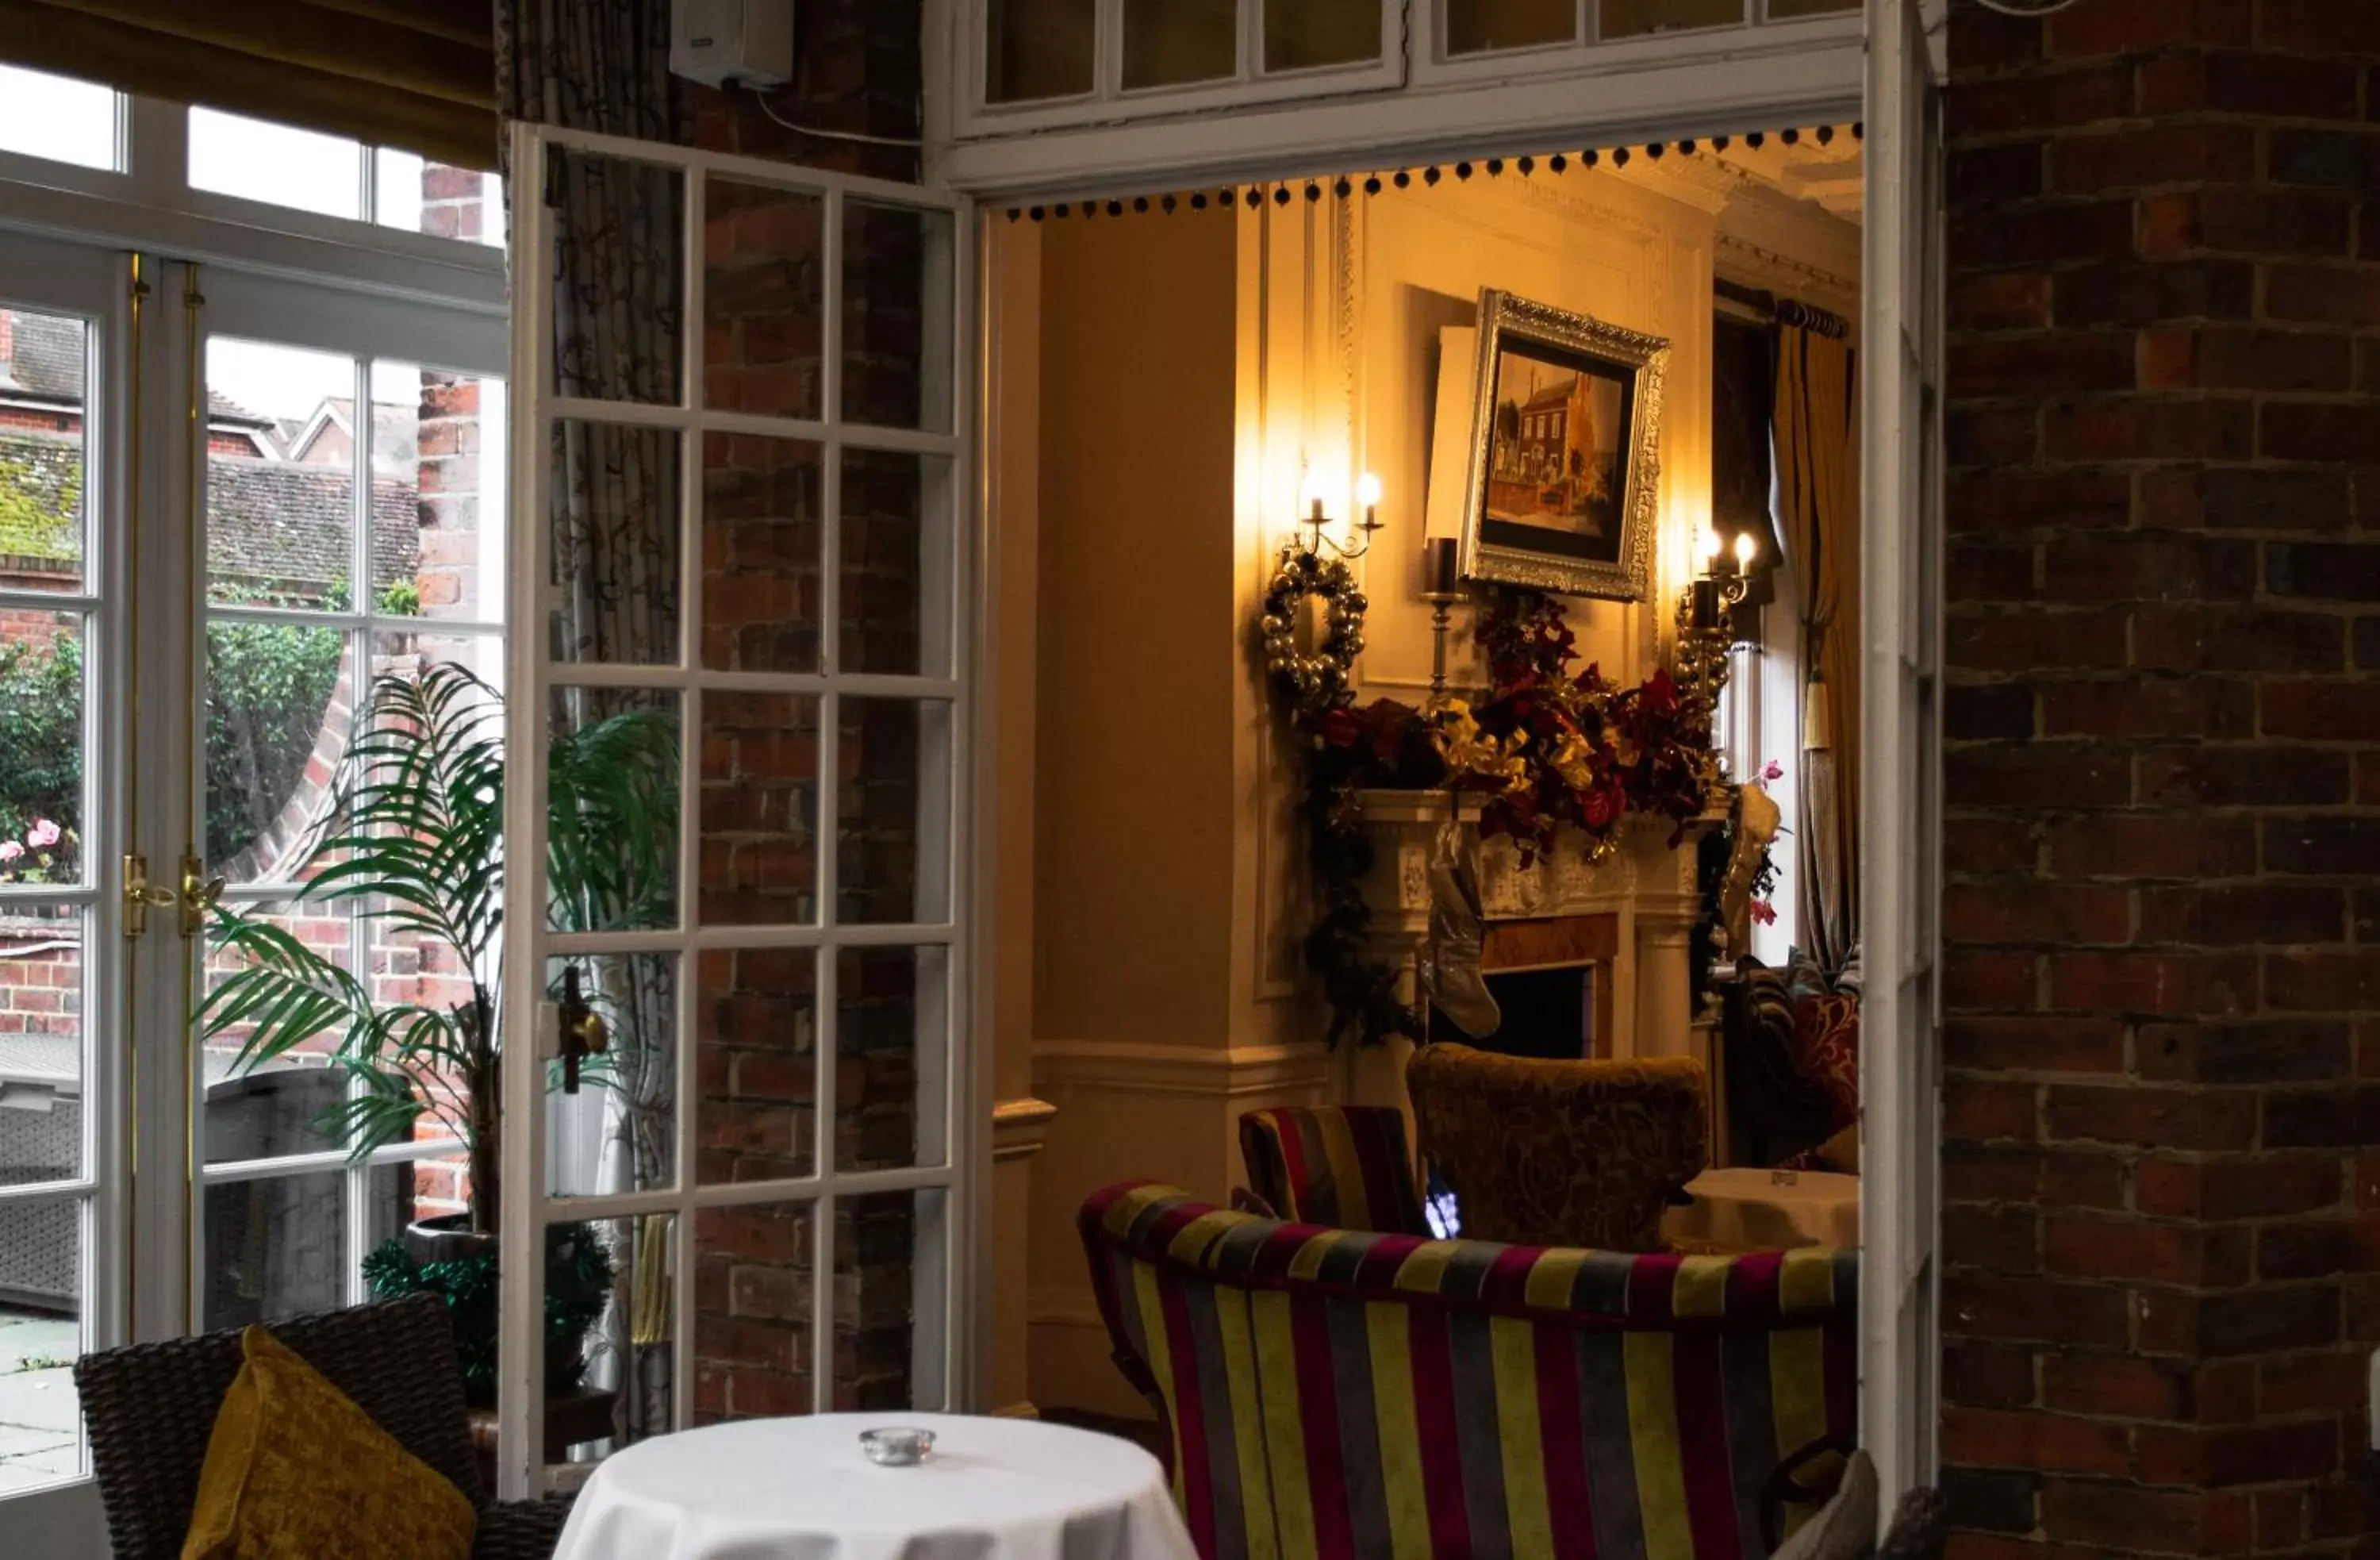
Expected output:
(1647, 885)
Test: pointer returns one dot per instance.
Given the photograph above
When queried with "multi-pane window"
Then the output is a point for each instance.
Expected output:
(1041, 61)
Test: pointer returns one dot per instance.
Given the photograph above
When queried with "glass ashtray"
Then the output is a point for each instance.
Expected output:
(896, 1446)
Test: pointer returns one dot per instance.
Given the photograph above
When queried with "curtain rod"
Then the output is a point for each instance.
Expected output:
(1785, 310)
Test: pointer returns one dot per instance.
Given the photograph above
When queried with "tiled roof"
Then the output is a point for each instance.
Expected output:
(267, 520)
(46, 356)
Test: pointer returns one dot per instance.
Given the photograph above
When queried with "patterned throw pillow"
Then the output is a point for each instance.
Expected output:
(1825, 1051)
(296, 1471)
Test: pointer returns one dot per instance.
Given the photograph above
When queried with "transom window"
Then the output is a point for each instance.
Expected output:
(65, 133)
(1029, 63)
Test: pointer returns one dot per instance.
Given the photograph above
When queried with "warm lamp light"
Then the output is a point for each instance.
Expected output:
(1706, 546)
(1744, 548)
(1368, 489)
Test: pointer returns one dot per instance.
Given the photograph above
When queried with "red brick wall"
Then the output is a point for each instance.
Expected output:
(2162, 1165)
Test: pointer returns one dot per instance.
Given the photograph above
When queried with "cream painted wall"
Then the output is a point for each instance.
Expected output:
(1134, 810)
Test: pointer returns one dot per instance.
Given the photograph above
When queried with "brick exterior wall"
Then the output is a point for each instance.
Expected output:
(2162, 1159)
(857, 69)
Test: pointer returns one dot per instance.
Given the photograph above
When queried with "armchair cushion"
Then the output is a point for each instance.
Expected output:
(1561, 1153)
(296, 1471)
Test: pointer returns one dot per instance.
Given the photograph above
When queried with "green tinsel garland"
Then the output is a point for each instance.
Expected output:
(579, 1274)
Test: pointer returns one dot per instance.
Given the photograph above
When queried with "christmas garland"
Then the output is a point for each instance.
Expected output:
(1546, 749)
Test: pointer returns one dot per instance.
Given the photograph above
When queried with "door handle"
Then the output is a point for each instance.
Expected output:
(199, 895)
(140, 896)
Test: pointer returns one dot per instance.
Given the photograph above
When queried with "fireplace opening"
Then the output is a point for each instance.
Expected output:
(1547, 1013)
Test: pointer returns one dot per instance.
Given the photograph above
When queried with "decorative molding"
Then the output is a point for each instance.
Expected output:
(1221, 1073)
(1020, 1128)
(1072, 1306)
(1741, 260)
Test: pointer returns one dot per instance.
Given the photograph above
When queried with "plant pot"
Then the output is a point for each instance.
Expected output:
(446, 1258)
(446, 1239)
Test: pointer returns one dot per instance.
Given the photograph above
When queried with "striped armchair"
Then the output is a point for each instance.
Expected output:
(1346, 1166)
(1340, 1394)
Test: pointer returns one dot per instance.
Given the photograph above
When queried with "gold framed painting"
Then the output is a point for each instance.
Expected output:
(1565, 451)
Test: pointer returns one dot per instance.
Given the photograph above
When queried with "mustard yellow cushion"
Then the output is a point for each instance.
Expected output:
(296, 1471)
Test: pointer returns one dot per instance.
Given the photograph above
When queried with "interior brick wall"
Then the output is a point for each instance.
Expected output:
(2162, 1158)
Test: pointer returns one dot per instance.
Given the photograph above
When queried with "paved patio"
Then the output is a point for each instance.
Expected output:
(40, 1428)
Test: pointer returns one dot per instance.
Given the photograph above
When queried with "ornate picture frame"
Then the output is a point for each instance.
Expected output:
(1563, 486)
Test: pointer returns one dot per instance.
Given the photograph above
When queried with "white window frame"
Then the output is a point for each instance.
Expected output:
(962, 1175)
(147, 202)
(1670, 87)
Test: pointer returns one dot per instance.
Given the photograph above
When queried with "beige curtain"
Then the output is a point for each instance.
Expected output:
(1818, 472)
(415, 74)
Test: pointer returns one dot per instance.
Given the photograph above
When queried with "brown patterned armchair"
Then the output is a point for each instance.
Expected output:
(1562, 1153)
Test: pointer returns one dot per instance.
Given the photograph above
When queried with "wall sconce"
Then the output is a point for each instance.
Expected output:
(1706, 612)
(1368, 499)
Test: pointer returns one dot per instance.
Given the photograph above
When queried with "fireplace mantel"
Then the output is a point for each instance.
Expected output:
(1647, 885)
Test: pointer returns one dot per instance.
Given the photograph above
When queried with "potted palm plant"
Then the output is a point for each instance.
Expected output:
(411, 843)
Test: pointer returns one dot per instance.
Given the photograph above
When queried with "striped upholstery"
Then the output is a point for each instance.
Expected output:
(1333, 1395)
(1346, 1166)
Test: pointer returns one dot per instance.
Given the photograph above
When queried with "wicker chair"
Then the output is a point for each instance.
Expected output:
(151, 1407)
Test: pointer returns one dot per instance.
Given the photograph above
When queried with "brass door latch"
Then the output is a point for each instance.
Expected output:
(583, 1033)
(196, 895)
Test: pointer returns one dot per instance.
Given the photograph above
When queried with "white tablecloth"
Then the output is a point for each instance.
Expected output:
(1767, 1211)
(801, 1488)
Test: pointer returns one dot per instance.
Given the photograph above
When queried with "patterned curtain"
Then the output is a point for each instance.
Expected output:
(618, 314)
(1818, 472)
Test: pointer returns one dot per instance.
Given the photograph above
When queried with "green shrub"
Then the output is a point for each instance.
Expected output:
(268, 688)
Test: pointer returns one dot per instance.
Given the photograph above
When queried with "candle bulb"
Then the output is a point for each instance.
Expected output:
(1438, 565)
(1744, 549)
(1722, 562)
(1707, 549)
(1368, 494)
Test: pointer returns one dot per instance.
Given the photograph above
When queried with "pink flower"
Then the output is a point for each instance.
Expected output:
(10, 850)
(1772, 770)
(42, 835)
(1763, 912)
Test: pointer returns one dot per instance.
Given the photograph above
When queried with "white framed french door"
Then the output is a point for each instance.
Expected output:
(341, 526)
(740, 552)
(225, 497)
(69, 346)
(1900, 784)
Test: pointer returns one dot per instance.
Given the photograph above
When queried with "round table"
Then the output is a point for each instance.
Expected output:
(801, 1488)
(1766, 1211)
